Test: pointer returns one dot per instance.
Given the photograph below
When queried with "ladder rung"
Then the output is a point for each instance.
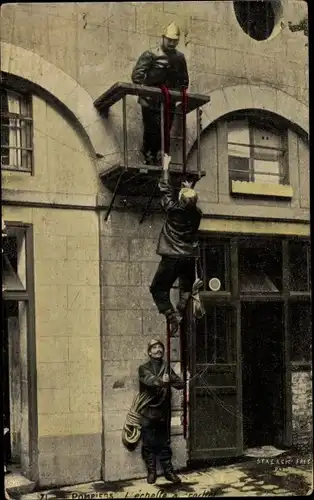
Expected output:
(176, 137)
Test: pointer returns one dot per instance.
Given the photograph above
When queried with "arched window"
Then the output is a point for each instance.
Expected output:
(257, 152)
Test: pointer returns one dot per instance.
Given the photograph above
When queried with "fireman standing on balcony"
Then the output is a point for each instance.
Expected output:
(164, 65)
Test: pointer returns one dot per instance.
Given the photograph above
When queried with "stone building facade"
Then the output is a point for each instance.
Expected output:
(89, 314)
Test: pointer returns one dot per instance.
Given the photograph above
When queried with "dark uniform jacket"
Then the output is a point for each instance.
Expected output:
(178, 237)
(155, 67)
(150, 381)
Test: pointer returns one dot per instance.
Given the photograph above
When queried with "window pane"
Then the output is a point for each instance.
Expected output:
(4, 129)
(14, 103)
(266, 154)
(266, 138)
(225, 334)
(239, 168)
(299, 262)
(238, 131)
(255, 154)
(238, 134)
(10, 280)
(200, 345)
(260, 268)
(215, 265)
(15, 252)
(15, 131)
(300, 331)
(237, 150)
(221, 334)
(266, 160)
(271, 169)
(216, 335)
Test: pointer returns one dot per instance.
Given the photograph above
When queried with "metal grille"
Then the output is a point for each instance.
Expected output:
(16, 132)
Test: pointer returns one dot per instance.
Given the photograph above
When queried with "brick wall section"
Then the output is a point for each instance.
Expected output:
(129, 320)
(84, 39)
(302, 433)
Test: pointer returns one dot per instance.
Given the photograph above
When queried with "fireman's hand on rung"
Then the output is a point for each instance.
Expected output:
(167, 160)
(165, 378)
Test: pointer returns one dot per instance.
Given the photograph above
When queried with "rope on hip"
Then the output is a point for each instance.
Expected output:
(132, 428)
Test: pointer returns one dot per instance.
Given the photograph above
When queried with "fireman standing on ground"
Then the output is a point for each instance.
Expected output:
(164, 65)
(156, 416)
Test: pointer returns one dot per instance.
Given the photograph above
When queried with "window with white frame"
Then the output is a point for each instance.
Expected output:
(16, 131)
(256, 153)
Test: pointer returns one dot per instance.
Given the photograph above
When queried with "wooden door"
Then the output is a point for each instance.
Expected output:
(215, 404)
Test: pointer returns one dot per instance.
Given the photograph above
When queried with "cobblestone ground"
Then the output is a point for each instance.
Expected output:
(280, 476)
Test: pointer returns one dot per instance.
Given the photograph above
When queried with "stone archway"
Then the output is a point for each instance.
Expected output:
(239, 97)
(26, 64)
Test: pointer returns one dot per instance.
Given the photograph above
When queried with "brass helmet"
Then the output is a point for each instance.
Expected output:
(172, 31)
(153, 342)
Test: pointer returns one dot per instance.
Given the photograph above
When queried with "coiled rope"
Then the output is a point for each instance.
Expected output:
(132, 428)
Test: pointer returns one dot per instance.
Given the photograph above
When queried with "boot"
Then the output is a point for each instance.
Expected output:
(174, 318)
(148, 157)
(151, 469)
(151, 477)
(158, 159)
(184, 298)
(170, 474)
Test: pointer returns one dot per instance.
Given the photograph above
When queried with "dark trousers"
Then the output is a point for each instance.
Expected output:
(169, 269)
(6, 448)
(156, 443)
(152, 132)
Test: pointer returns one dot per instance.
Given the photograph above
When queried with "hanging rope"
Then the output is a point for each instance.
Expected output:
(184, 363)
(184, 111)
(198, 308)
(167, 119)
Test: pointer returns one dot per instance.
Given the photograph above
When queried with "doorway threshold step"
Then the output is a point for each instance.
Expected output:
(16, 483)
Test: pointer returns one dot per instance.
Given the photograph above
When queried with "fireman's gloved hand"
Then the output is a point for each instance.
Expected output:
(186, 184)
(165, 378)
(167, 161)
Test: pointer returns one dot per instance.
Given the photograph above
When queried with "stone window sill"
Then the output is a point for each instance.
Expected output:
(260, 189)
